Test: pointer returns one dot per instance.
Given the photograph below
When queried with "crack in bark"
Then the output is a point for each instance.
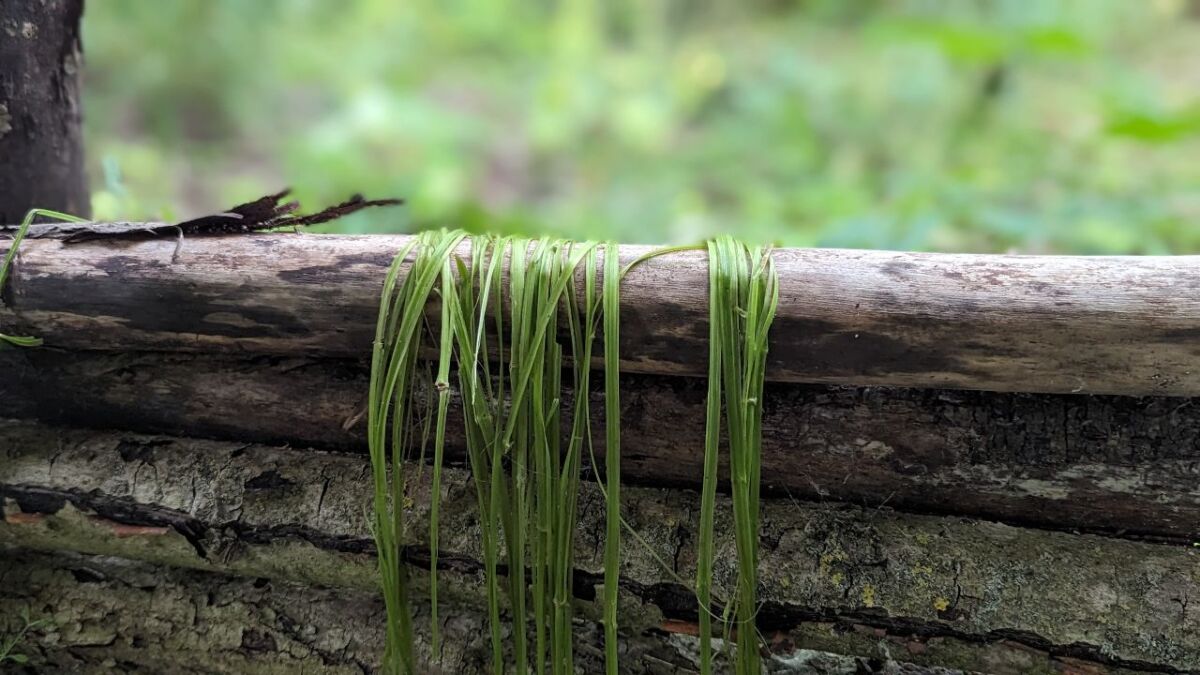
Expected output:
(999, 456)
(675, 602)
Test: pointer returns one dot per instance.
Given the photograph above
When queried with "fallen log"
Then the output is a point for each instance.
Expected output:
(299, 516)
(114, 615)
(1112, 325)
(1095, 463)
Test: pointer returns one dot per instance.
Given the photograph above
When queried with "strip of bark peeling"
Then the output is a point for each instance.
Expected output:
(1116, 465)
(114, 615)
(297, 515)
(1004, 323)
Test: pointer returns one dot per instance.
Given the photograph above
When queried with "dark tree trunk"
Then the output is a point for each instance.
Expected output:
(40, 139)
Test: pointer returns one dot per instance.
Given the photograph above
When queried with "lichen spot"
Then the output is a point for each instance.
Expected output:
(868, 595)
(941, 604)
(28, 30)
(825, 566)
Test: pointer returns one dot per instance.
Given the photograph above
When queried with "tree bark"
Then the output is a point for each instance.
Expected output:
(40, 136)
(921, 581)
(1047, 324)
(113, 615)
(1095, 463)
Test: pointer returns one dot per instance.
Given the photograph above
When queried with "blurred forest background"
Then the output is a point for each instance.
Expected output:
(953, 125)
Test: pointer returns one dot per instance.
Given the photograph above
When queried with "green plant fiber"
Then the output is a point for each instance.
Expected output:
(6, 266)
(525, 442)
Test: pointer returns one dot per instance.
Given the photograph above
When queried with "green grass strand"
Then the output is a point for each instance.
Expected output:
(612, 453)
(7, 264)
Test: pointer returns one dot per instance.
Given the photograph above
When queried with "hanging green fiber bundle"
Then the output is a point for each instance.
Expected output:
(525, 443)
(743, 297)
(390, 416)
(509, 376)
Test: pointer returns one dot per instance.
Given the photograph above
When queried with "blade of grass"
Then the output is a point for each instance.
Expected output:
(450, 309)
(6, 265)
(612, 453)
(708, 487)
(479, 417)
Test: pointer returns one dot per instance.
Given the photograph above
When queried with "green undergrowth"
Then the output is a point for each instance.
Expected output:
(6, 266)
(514, 316)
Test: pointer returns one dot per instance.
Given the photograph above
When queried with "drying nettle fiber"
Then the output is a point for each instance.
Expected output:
(514, 316)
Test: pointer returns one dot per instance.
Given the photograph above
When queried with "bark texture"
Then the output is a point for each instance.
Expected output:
(832, 578)
(1004, 323)
(40, 137)
(1095, 463)
(214, 549)
(113, 615)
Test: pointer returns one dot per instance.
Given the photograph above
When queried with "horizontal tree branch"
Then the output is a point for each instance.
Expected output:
(301, 516)
(1115, 325)
(1096, 463)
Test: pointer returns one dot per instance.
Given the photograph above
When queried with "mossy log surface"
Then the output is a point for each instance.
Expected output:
(1093, 463)
(112, 615)
(1108, 325)
(941, 591)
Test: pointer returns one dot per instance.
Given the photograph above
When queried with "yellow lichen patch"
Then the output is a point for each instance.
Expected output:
(868, 595)
(825, 566)
(941, 604)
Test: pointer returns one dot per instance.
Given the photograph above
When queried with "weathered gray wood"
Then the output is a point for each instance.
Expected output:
(114, 615)
(1117, 325)
(1096, 463)
(299, 516)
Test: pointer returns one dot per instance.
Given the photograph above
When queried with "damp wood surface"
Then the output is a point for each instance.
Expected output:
(297, 516)
(1113, 464)
(1109, 325)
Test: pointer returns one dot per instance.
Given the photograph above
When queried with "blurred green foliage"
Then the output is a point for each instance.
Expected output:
(1039, 126)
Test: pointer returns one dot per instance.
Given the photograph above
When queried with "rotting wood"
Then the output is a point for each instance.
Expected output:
(296, 515)
(114, 615)
(1114, 325)
(1119, 465)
